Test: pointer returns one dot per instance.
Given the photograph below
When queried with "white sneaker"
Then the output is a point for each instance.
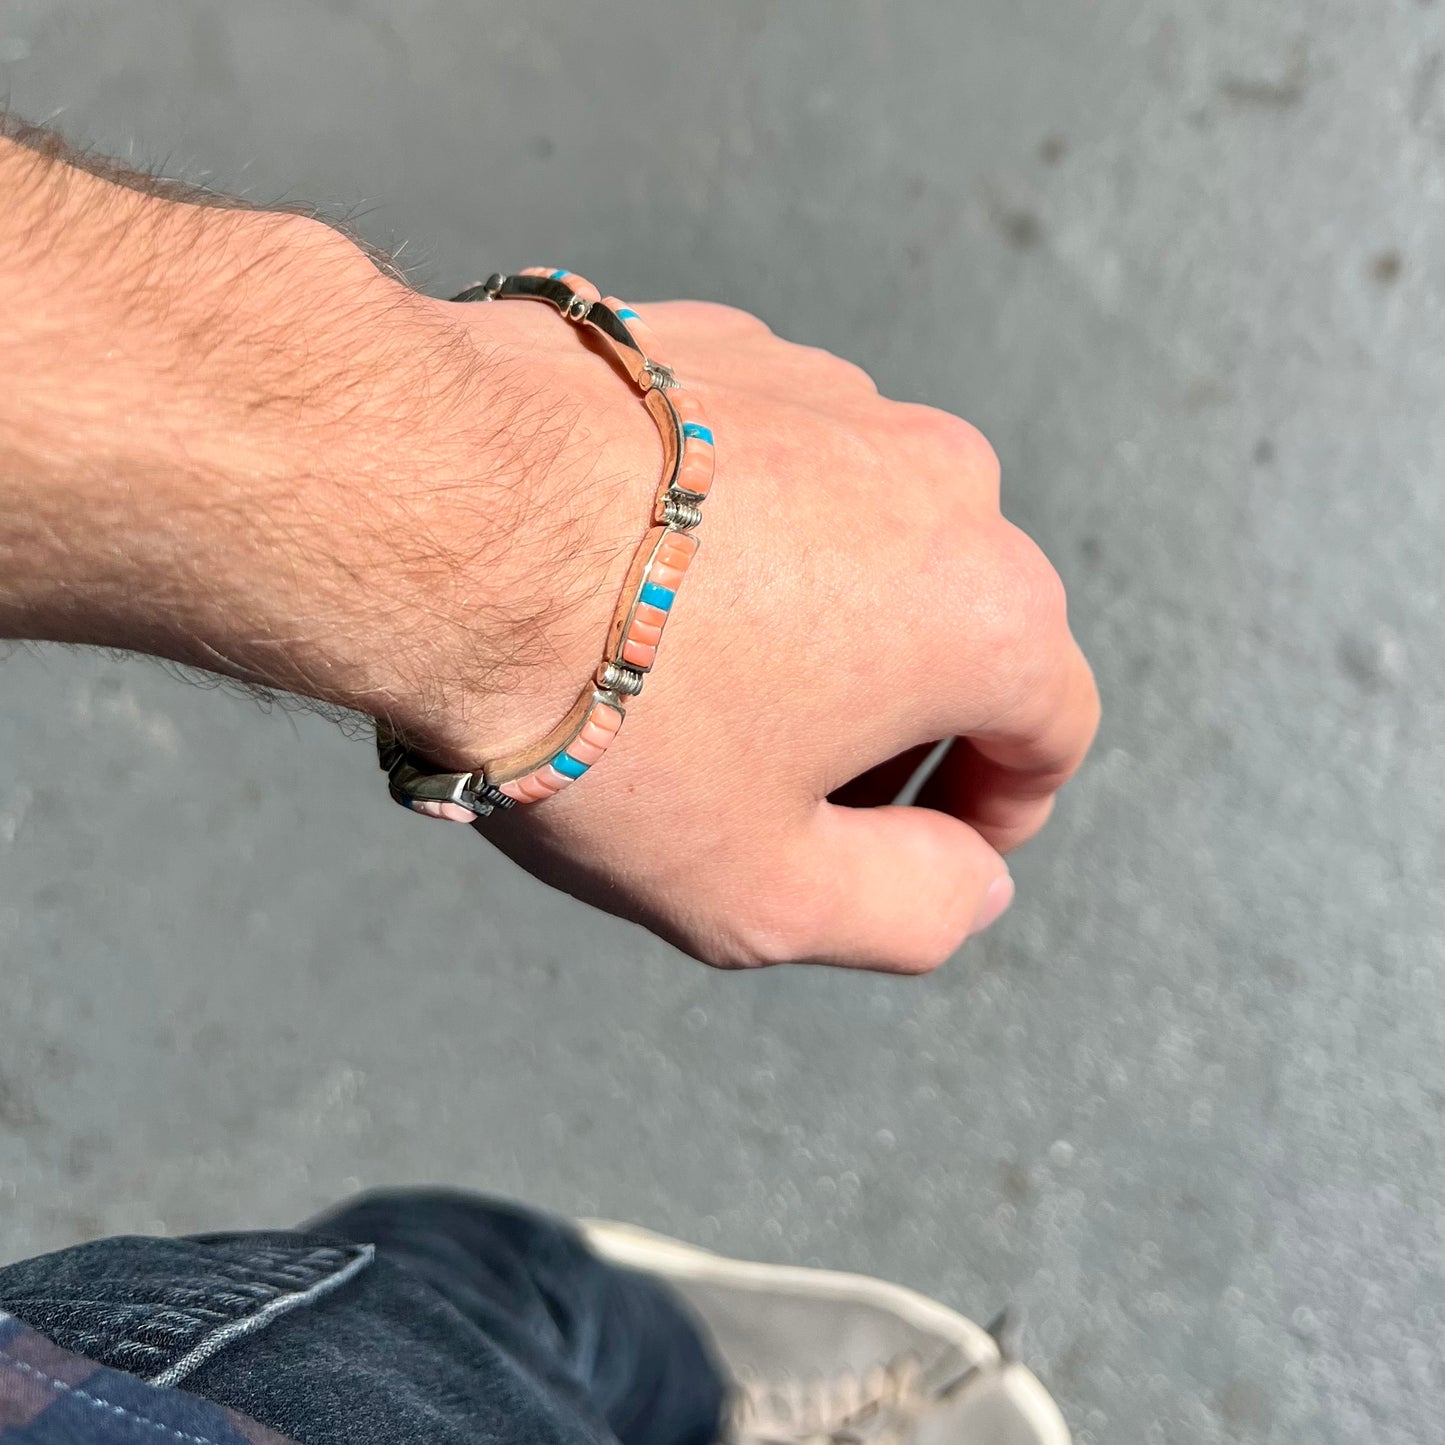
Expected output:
(821, 1358)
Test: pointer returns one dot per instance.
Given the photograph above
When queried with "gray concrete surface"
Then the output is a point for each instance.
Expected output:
(1186, 266)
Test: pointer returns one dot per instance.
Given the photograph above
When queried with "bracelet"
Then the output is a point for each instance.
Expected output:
(579, 740)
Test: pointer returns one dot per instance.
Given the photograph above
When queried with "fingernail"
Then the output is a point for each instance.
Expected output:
(995, 904)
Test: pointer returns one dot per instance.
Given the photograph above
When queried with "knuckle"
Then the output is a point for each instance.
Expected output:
(958, 444)
(848, 373)
(857, 377)
(1089, 707)
(835, 370)
(1037, 589)
(1015, 599)
(1047, 601)
(1093, 711)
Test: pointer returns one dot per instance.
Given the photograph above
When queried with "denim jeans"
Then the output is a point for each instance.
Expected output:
(409, 1316)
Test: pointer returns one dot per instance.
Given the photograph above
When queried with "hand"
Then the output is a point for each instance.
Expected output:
(858, 593)
(229, 440)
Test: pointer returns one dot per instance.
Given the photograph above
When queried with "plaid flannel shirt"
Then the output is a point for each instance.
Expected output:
(49, 1396)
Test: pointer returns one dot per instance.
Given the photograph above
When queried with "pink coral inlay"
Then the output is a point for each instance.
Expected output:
(649, 634)
(606, 717)
(585, 751)
(589, 745)
(647, 624)
(677, 549)
(668, 577)
(551, 779)
(694, 473)
(687, 406)
(596, 737)
(525, 790)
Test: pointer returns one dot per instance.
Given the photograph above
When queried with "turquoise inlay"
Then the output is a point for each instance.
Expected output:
(697, 431)
(657, 596)
(628, 314)
(559, 275)
(568, 766)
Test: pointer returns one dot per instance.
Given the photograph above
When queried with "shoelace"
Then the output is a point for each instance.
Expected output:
(877, 1406)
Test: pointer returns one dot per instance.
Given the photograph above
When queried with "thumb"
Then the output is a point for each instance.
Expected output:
(897, 889)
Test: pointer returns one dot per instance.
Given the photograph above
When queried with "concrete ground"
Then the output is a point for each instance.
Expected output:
(1185, 264)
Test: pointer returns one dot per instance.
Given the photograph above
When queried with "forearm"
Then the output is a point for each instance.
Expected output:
(191, 399)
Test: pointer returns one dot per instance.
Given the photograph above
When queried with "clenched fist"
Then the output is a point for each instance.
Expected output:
(858, 594)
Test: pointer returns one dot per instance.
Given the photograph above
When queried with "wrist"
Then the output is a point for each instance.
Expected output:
(477, 484)
(522, 502)
(233, 442)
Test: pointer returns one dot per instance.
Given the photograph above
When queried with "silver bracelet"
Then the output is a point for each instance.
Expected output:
(534, 774)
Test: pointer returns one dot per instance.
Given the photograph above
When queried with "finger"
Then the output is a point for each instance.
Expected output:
(992, 799)
(1028, 708)
(1003, 778)
(893, 889)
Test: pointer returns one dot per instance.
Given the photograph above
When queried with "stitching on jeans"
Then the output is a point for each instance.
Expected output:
(233, 1300)
(139, 1346)
(99, 1402)
(238, 1329)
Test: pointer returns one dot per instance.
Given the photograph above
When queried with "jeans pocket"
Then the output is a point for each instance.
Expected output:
(160, 1308)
